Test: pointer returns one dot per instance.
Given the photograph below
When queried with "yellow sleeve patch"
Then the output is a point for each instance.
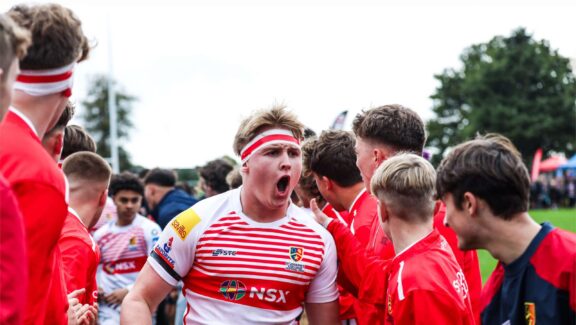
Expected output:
(185, 222)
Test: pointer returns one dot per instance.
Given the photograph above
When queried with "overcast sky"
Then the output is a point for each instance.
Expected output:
(198, 68)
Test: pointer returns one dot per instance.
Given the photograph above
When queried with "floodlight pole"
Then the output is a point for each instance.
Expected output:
(112, 109)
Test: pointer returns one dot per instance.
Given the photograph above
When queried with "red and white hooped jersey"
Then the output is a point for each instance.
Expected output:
(236, 270)
(124, 251)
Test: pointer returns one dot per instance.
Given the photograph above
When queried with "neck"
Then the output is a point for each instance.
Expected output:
(161, 193)
(404, 234)
(258, 212)
(42, 111)
(86, 212)
(121, 222)
(508, 239)
(347, 195)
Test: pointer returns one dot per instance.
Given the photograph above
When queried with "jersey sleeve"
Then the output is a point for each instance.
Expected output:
(173, 255)
(76, 260)
(40, 203)
(323, 288)
(352, 255)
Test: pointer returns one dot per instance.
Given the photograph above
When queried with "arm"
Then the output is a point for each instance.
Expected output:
(76, 257)
(351, 253)
(324, 313)
(142, 300)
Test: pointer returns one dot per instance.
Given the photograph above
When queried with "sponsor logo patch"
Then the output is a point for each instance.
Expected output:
(133, 243)
(460, 284)
(270, 295)
(232, 290)
(223, 252)
(296, 253)
(530, 313)
(185, 222)
(297, 267)
(164, 250)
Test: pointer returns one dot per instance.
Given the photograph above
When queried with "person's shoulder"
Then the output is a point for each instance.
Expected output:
(557, 245)
(203, 213)
(214, 204)
(303, 216)
(106, 228)
(146, 223)
(555, 255)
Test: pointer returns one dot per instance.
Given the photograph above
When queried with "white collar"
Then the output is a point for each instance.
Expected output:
(356, 199)
(25, 119)
(76, 215)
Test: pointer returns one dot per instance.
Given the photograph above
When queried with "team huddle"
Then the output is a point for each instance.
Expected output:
(340, 228)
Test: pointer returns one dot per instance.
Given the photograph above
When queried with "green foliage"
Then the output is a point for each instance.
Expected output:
(97, 118)
(515, 86)
(561, 218)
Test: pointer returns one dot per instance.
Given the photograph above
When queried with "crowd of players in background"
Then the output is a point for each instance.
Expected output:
(71, 249)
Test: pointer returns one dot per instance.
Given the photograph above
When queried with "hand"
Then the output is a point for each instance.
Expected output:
(116, 296)
(319, 216)
(79, 314)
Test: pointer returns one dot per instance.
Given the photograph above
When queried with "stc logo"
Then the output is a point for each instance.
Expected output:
(235, 290)
(218, 252)
(460, 284)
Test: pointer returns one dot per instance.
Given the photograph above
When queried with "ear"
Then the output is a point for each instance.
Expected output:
(102, 198)
(382, 211)
(378, 156)
(327, 182)
(470, 204)
(58, 144)
(244, 169)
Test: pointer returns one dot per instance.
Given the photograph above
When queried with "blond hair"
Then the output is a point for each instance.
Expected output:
(275, 117)
(406, 184)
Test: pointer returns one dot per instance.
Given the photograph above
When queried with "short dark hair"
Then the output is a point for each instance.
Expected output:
(334, 157)
(489, 167)
(214, 174)
(87, 166)
(57, 36)
(392, 125)
(126, 181)
(307, 183)
(65, 117)
(162, 177)
(77, 139)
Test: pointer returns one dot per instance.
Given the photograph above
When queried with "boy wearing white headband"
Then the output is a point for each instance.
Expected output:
(248, 255)
(41, 92)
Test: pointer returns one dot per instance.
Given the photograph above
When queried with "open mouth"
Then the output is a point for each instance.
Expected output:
(282, 184)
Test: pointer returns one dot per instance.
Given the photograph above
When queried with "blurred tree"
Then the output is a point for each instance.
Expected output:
(515, 86)
(97, 118)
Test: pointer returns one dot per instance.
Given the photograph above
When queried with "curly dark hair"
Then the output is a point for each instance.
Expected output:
(126, 181)
(57, 36)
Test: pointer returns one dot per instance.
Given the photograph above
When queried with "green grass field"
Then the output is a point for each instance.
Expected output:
(561, 218)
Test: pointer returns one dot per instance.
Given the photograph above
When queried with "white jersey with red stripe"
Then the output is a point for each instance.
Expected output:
(124, 251)
(239, 271)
